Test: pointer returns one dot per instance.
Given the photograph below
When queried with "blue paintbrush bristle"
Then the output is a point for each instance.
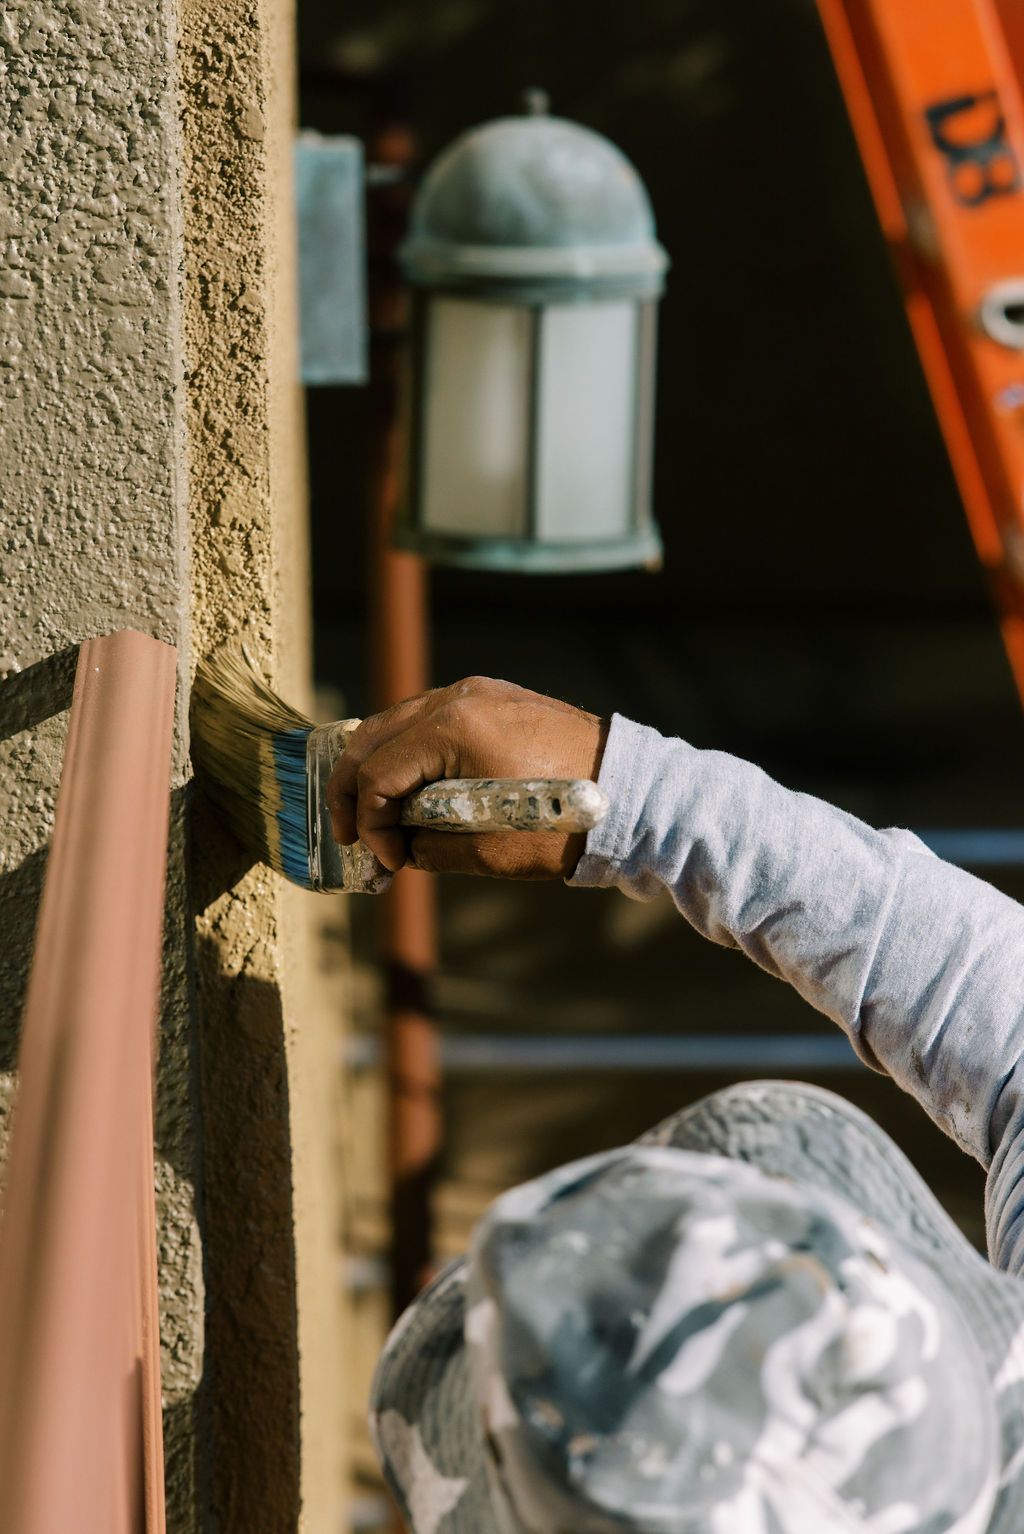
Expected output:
(251, 750)
(289, 750)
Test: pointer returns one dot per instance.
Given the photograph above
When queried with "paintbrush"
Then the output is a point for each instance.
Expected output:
(267, 766)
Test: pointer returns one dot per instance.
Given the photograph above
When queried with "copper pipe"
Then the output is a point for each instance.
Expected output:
(399, 630)
(80, 1434)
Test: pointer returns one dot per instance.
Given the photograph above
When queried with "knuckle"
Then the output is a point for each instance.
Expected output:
(460, 705)
(474, 685)
(459, 715)
(356, 743)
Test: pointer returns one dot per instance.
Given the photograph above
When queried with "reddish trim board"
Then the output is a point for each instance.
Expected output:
(80, 1432)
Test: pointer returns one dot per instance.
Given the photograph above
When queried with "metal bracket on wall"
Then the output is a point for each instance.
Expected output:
(974, 848)
(471, 1053)
(330, 186)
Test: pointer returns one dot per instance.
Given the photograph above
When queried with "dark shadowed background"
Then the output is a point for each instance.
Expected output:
(820, 610)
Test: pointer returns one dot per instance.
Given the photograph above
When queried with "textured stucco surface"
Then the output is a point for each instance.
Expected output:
(92, 526)
(151, 476)
(250, 1259)
(268, 1052)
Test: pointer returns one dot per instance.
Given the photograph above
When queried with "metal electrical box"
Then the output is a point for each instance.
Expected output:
(330, 190)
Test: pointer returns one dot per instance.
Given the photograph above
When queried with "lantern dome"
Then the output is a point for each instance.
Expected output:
(535, 208)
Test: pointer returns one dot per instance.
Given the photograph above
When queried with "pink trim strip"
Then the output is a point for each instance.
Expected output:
(80, 1434)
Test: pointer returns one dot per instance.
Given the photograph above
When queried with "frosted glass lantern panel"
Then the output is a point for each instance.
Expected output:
(476, 396)
(586, 473)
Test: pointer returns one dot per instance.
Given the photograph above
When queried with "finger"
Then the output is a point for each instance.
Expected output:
(377, 729)
(418, 755)
(390, 846)
(495, 854)
(341, 790)
(349, 817)
(342, 809)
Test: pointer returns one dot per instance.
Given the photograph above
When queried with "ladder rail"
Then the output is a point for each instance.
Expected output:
(934, 98)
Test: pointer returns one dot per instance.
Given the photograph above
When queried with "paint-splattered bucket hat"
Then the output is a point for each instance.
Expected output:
(755, 1320)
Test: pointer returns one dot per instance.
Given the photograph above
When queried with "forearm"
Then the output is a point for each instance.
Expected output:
(917, 961)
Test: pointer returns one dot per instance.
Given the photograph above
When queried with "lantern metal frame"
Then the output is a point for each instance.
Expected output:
(641, 545)
(496, 225)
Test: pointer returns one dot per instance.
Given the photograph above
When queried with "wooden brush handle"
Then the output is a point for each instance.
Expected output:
(507, 804)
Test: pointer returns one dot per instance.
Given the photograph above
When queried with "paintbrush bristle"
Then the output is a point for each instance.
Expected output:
(250, 748)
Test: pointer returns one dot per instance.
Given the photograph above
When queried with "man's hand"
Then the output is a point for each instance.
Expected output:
(477, 728)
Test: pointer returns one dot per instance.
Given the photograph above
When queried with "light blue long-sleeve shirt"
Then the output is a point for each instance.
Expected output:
(920, 964)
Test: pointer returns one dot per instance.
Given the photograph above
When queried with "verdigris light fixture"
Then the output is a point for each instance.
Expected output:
(536, 274)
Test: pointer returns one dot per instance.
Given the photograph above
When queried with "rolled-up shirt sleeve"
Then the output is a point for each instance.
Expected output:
(921, 964)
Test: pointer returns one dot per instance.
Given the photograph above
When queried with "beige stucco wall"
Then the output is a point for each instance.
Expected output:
(269, 1058)
(92, 489)
(151, 476)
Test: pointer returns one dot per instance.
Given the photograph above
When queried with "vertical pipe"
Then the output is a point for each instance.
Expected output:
(399, 649)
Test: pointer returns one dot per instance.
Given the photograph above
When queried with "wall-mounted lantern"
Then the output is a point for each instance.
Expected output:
(536, 276)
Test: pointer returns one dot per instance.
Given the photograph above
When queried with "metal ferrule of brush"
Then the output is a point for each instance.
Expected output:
(468, 805)
(334, 869)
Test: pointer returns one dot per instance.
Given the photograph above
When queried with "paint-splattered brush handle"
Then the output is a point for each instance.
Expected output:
(507, 804)
(457, 804)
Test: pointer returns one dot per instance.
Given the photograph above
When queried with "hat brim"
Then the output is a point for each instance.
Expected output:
(786, 1129)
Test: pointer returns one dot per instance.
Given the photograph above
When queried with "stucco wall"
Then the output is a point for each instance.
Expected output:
(151, 476)
(269, 1054)
(250, 1258)
(92, 490)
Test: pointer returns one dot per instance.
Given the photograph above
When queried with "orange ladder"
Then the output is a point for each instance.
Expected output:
(935, 92)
